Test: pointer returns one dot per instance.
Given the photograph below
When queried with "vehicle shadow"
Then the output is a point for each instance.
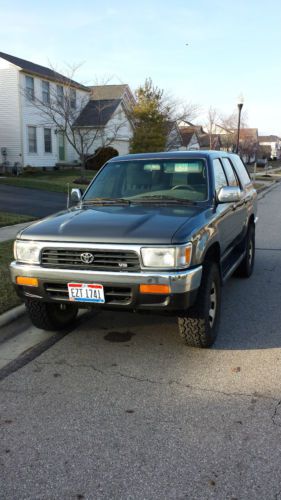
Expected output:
(250, 316)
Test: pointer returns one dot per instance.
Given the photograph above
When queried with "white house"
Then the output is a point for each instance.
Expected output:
(274, 145)
(26, 136)
(106, 116)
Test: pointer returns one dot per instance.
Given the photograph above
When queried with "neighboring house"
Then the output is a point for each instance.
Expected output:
(174, 138)
(194, 137)
(189, 139)
(210, 141)
(107, 114)
(248, 142)
(271, 145)
(26, 136)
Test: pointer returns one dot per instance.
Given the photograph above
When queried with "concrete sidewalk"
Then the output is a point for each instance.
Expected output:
(10, 232)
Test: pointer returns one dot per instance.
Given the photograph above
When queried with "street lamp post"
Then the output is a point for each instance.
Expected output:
(240, 106)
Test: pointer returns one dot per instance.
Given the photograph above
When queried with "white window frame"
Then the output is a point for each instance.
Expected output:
(29, 90)
(45, 91)
(51, 142)
(72, 98)
(28, 139)
(60, 94)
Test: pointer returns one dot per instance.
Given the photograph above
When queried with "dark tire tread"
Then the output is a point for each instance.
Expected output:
(42, 315)
(194, 326)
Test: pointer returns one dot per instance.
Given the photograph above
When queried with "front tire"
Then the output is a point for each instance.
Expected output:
(50, 316)
(199, 326)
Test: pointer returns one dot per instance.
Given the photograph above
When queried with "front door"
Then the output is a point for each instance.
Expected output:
(61, 143)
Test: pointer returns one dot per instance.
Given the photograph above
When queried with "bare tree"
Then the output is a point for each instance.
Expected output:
(64, 106)
(210, 125)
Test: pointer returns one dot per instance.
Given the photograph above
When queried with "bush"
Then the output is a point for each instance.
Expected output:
(102, 155)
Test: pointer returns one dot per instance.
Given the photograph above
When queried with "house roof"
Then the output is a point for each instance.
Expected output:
(269, 138)
(42, 71)
(186, 135)
(97, 113)
(248, 133)
(99, 92)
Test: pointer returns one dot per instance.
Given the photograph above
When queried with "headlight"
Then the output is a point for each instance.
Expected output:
(170, 257)
(27, 251)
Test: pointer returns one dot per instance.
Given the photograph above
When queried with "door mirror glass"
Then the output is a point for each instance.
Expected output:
(229, 194)
(76, 195)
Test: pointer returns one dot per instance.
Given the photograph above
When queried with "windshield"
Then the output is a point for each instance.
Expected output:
(151, 180)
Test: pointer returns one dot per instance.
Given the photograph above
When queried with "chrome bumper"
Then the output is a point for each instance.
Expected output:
(179, 282)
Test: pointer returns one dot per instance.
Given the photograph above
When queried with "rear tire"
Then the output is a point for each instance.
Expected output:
(199, 326)
(245, 269)
(50, 316)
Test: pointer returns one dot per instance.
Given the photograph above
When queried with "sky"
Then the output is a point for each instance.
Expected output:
(233, 48)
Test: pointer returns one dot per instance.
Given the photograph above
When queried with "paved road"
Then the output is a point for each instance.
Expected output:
(32, 202)
(120, 409)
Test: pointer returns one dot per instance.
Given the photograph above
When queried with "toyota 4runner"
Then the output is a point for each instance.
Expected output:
(157, 232)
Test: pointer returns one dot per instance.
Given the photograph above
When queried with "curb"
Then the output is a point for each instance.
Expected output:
(11, 315)
(262, 192)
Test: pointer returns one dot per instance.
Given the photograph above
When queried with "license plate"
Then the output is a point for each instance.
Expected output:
(85, 292)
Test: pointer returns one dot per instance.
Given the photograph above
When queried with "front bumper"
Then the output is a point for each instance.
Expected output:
(121, 288)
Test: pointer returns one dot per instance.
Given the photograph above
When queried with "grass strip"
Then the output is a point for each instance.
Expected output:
(48, 181)
(8, 219)
(8, 296)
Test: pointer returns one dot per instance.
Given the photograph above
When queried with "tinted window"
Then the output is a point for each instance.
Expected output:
(220, 179)
(231, 177)
(241, 170)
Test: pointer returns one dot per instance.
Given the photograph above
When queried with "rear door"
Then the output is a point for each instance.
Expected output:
(239, 209)
(226, 223)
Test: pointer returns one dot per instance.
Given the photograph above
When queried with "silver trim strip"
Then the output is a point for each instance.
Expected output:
(179, 282)
(102, 246)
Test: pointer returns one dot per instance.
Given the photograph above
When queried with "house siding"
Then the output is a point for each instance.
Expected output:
(10, 128)
(120, 123)
(31, 116)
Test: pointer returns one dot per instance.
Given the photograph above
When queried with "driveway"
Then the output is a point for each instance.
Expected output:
(120, 409)
(34, 202)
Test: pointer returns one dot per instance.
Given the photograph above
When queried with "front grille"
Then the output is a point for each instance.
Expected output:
(103, 260)
(112, 294)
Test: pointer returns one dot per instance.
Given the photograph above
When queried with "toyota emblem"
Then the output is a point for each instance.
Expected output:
(87, 257)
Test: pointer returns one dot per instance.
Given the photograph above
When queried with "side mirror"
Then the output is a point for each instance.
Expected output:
(229, 194)
(75, 196)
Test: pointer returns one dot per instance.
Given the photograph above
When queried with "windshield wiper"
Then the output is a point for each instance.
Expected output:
(169, 199)
(106, 201)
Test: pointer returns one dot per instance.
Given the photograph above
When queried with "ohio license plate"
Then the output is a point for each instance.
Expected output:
(85, 292)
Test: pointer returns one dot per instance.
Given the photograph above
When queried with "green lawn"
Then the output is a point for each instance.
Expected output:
(8, 219)
(8, 297)
(55, 180)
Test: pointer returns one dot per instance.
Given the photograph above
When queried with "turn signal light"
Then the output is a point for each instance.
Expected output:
(164, 289)
(22, 280)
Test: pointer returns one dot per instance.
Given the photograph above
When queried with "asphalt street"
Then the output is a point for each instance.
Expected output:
(121, 409)
(34, 202)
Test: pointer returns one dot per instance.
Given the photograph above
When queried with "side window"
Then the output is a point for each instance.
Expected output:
(241, 170)
(219, 175)
(231, 177)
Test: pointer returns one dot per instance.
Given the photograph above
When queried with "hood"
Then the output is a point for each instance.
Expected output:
(132, 224)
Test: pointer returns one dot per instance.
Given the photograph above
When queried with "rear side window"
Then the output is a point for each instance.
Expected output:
(219, 175)
(241, 170)
(232, 179)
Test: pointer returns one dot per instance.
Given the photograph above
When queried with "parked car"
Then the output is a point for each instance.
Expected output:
(157, 232)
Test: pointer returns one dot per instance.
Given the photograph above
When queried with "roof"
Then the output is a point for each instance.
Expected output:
(166, 155)
(97, 113)
(39, 70)
(269, 138)
(99, 92)
(248, 133)
(186, 135)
